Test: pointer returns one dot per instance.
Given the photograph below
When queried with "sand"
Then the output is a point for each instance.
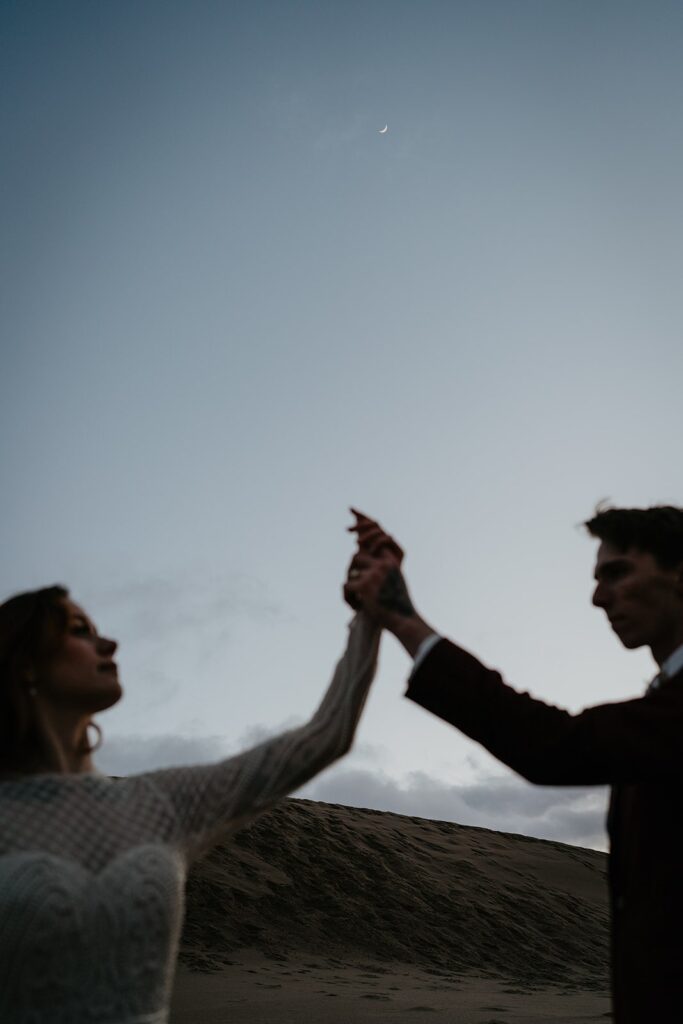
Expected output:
(326, 913)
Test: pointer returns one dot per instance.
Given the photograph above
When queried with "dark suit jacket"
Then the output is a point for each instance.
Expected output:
(637, 747)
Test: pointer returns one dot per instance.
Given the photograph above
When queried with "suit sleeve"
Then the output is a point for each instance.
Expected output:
(627, 742)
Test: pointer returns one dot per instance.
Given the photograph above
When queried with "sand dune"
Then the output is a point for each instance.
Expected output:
(317, 905)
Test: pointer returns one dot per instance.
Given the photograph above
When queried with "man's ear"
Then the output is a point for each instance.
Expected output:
(29, 673)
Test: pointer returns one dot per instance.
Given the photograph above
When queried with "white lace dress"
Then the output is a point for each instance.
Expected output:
(92, 870)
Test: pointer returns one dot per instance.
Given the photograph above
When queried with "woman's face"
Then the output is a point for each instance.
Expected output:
(81, 674)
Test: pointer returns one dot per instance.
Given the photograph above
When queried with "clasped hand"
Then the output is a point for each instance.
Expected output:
(374, 580)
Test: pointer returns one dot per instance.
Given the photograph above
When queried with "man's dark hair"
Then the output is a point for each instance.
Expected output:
(658, 530)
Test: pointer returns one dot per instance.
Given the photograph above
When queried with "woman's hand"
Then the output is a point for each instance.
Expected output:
(372, 539)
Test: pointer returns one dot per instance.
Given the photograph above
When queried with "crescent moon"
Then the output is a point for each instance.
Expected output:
(383, 131)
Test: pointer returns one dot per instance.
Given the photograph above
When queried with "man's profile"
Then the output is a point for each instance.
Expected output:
(636, 745)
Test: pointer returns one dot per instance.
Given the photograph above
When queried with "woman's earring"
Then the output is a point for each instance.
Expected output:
(98, 741)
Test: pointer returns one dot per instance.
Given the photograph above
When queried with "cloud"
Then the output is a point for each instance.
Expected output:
(256, 734)
(155, 608)
(504, 803)
(128, 755)
(170, 626)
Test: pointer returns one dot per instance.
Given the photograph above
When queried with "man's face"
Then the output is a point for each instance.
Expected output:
(643, 602)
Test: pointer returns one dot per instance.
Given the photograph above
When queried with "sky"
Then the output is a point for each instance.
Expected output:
(230, 309)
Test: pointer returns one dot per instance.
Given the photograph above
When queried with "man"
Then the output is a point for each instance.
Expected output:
(634, 745)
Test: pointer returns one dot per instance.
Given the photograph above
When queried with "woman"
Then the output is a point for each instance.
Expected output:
(92, 870)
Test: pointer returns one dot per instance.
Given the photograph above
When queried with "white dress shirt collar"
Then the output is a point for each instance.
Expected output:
(674, 663)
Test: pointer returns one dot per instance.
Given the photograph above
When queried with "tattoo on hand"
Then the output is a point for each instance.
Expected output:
(394, 594)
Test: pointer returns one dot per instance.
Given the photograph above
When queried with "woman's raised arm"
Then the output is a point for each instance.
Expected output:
(209, 802)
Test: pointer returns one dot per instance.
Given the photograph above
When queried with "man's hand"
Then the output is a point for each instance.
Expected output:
(375, 584)
(379, 552)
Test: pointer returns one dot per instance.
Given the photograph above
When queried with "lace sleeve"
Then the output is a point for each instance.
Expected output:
(212, 801)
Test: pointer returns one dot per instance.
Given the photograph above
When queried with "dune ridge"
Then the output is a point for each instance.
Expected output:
(346, 885)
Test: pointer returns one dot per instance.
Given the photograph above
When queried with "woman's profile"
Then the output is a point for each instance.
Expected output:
(92, 870)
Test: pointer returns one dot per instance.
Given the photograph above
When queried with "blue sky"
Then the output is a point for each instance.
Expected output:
(231, 309)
